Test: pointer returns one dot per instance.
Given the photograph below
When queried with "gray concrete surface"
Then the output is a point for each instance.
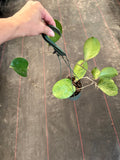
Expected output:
(34, 125)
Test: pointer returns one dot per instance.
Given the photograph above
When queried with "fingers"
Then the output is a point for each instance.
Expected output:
(46, 30)
(47, 17)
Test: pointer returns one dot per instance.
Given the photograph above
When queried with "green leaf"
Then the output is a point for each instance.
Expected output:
(57, 36)
(63, 89)
(108, 86)
(108, 72)
(20, 65)
(91, 48)
(79, 71)
(95, 72)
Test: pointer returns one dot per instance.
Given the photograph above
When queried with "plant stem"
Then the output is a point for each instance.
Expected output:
(90, 79)
(85, 86)
(92, 82)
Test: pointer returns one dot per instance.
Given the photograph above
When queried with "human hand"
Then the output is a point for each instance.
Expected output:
(32, 19)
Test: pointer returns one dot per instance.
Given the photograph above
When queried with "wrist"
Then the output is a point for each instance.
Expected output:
(8, 29)
(16, 23)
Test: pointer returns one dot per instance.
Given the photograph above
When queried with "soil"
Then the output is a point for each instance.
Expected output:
(77, 84)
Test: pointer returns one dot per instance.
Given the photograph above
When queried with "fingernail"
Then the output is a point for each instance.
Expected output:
(51, 33)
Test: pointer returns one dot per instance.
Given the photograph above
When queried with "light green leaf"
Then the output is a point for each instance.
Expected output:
(95, 72)
(79, 71)
(57, 36)
(108, 72)
(63, 89)
(91, 48)
(20, 65)
(108, 86)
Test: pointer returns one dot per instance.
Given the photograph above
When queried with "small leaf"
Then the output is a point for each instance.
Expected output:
(20, 65)
(57, 36)
(108, 72)
(63, 89)
(95, 72)
(79, 71)
(108, 86)
(91, 48)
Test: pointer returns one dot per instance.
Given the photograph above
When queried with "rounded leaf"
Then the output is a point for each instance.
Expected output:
(91, 48)
(80, 69)
(108, 86)
(20, 65)
(57, 36)
(63, 88)
(95, 72)
(108, 72)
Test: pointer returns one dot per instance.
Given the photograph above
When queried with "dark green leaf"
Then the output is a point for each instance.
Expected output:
(79, 71)
(20, 66)
(57, 36)
(108, 86)
(63, 89)
(95, 72)
(108, 72)
(91, 48)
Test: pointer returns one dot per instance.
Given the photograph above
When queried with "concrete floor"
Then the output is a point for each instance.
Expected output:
(34, 125)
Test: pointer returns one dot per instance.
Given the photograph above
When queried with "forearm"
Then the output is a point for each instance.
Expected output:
(8, 29)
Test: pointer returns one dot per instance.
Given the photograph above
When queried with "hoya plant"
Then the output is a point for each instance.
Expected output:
(102, 79)
(67, 87)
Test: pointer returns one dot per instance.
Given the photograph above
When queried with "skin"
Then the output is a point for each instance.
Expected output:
(31, 20)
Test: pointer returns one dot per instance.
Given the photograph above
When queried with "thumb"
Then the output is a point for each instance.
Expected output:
(46, 30)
